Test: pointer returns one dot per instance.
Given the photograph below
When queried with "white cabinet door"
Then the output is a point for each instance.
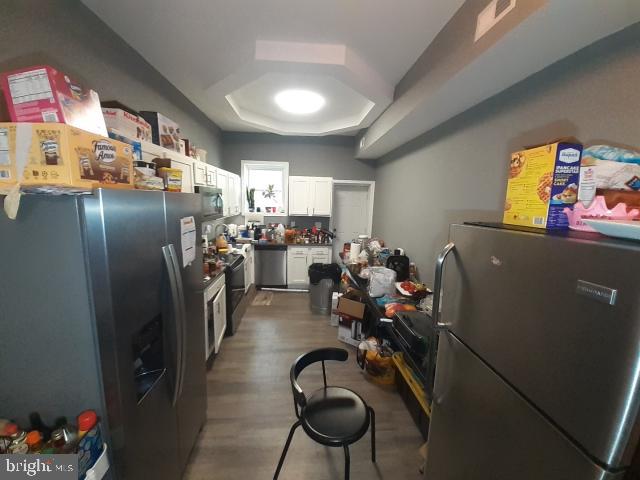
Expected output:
(297, 268)
(319, 255)
(211, 176)
(322, 192)
(200, 174)
(234, 182)
(220, 316)
(299, 196)
(222, 180)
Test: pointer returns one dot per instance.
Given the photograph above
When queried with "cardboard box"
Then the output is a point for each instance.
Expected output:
(43, 94)
(333, 321)
(46, 157)
(351, 308)
(543, 181)
(165, 132)
(136, 147)
(127, 124)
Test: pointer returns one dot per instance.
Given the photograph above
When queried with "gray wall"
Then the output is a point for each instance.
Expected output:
(67, 35)
(307, 156)
(458, 171)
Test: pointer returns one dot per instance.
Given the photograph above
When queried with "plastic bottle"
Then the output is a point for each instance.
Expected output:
(34, 441)
(17, 437)
(38, 425)
(86, 421)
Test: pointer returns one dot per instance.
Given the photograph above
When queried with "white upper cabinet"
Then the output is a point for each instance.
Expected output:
(212, 175)
(322, 190)
(310, 196)
(235, 187)
(199, 174)
(178, 161)
(222, 182)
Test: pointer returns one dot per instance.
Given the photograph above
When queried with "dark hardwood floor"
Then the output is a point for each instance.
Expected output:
(250, 406)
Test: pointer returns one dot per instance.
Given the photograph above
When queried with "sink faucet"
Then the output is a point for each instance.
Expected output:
(215, 229)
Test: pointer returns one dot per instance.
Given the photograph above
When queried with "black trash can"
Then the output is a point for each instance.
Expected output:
(322, 278)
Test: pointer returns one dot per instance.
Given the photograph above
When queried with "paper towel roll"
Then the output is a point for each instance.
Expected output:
(355, 251)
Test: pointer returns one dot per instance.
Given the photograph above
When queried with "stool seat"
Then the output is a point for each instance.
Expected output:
(334, 416)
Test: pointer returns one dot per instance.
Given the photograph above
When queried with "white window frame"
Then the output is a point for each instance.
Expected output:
(266, 165)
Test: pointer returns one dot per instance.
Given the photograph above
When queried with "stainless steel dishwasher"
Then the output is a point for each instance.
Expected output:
(271, 266)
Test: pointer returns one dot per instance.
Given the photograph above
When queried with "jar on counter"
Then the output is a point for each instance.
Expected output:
(34, 441)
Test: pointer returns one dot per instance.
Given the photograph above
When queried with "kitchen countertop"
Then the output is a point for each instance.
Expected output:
(213, 278)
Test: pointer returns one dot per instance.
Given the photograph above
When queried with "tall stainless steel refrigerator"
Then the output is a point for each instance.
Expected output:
(538, 362)
(100, 309)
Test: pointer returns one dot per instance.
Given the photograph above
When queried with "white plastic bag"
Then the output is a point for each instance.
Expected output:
(382, 281)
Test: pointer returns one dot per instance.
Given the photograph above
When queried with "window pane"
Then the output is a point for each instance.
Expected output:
(269, 184)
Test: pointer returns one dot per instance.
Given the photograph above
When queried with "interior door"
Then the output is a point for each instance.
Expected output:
(350, 214)
(192, 404)
(299, 196)
(482, 429)
(125, 236)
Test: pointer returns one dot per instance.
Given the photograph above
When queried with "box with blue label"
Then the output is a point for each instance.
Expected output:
(543, 181)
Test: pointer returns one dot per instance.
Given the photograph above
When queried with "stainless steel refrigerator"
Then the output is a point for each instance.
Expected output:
(100, 309)
(538, 362)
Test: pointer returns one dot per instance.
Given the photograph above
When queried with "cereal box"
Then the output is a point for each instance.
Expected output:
(51, 157)
(43, 94)
(543, 181)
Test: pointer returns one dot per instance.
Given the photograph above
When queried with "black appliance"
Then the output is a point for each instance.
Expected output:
(212, 202)
(400, 264)
(234, 281)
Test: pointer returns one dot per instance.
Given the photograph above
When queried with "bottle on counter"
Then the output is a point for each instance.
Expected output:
(17, 437)
(38, 425)
(34, 441)
(86, 421)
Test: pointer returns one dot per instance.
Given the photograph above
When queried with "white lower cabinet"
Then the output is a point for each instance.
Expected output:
(298, 261)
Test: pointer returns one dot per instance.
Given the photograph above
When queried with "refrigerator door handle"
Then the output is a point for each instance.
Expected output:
(437, 287)
(175, 304)
(182, 318)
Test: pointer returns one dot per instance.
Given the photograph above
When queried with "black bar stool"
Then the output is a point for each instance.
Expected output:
(332, 416)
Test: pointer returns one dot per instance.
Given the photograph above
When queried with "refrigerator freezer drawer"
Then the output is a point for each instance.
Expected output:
(482, 429)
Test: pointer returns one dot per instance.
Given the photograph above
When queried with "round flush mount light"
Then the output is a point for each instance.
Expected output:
(299, 102)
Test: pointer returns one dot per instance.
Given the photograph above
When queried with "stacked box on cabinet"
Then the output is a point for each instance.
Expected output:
(43, 94)
(58, 158)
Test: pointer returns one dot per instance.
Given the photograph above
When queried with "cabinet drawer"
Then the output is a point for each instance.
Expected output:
(298, 251)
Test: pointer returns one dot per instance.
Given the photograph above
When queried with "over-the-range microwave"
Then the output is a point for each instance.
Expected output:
(212, 202)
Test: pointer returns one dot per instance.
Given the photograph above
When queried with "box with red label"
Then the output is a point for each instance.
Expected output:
(166, 132)
(54, 157)
(43, 94)
(127, 124)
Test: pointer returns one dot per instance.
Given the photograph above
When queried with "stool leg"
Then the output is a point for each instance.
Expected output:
(347, 462)
(286, 448)
(373, 434)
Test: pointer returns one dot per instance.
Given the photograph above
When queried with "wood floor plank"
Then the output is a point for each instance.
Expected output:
(250, 405)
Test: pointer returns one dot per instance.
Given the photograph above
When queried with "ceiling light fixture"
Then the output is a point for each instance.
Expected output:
(299, 102)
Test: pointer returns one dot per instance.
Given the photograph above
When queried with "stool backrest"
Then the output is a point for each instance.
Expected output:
(303, 361)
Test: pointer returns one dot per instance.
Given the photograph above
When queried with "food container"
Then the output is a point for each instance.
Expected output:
(543, 181)
(172, 178)
(598, 210)
(127, 123)
(43, 94)
(165, 132)
(144, 168)
(54, 157)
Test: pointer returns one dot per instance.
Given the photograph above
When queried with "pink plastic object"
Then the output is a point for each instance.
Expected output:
(597, 210)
